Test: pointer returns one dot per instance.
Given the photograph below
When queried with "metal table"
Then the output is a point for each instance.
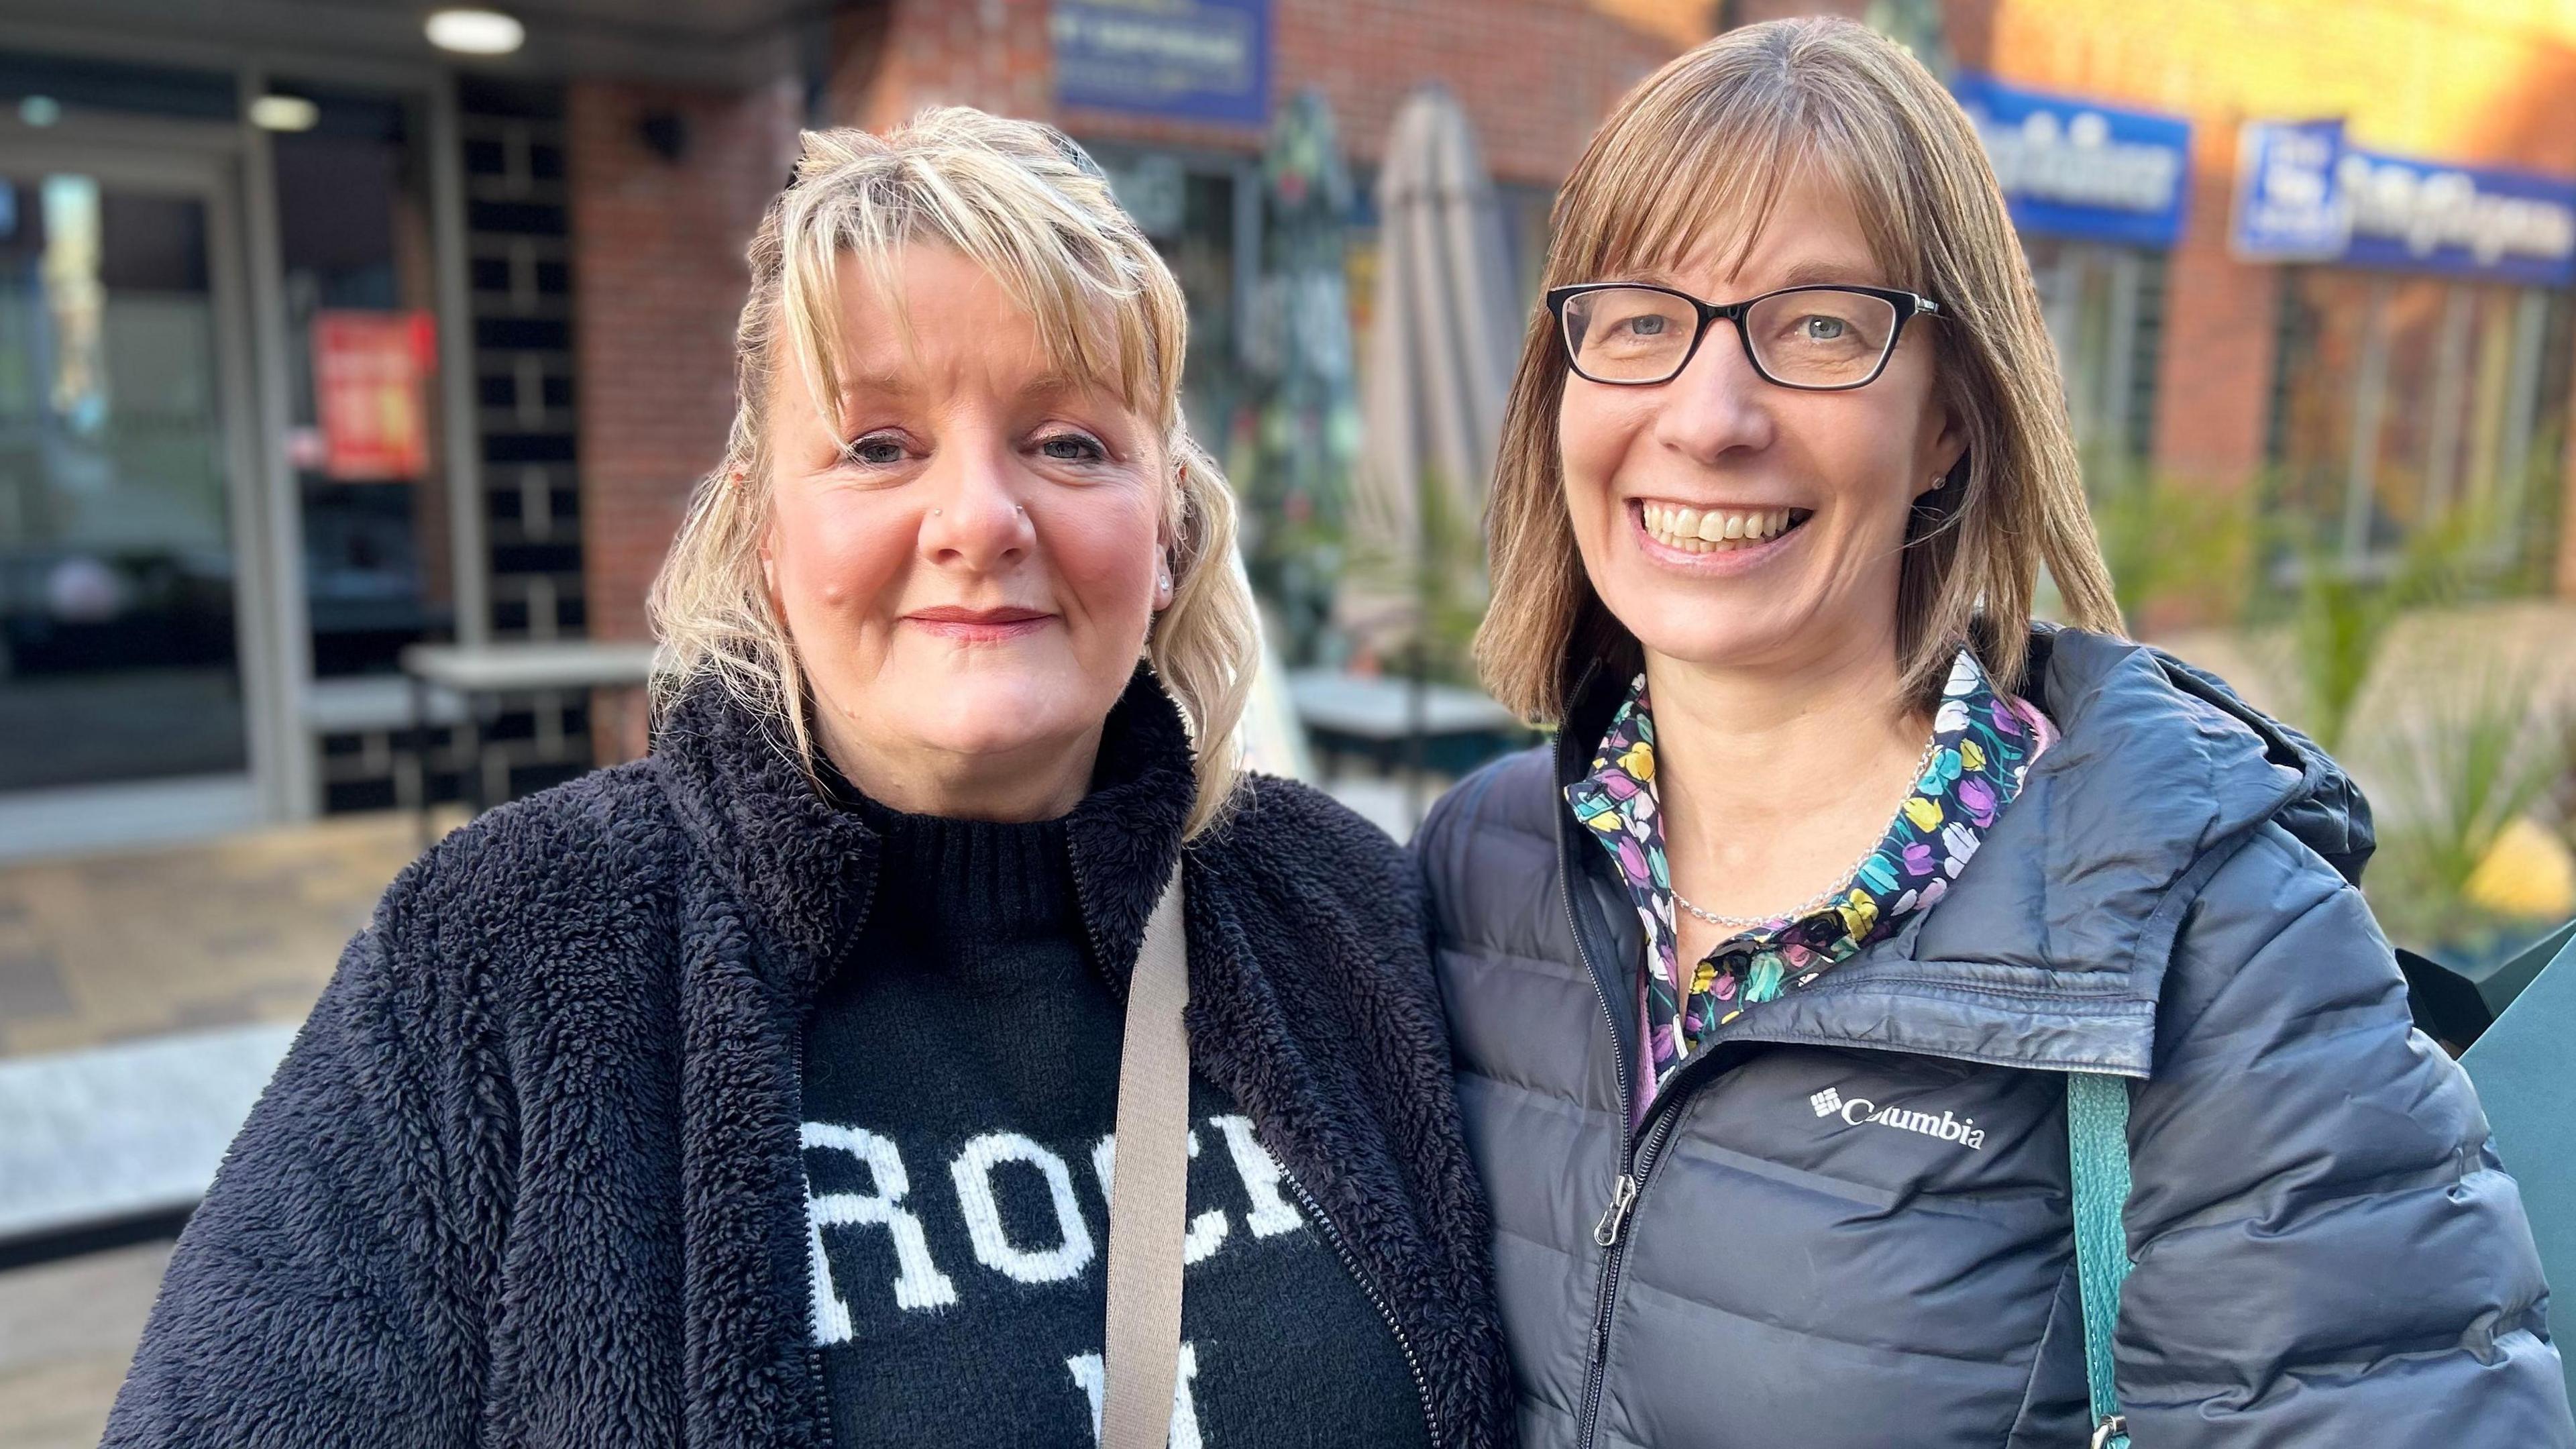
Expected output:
(1383, 719)
(479, 674)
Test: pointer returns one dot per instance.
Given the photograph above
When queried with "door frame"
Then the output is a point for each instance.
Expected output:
(205, 162)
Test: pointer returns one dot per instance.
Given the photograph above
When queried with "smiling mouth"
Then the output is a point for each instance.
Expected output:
(1717, 530)
(980, 625)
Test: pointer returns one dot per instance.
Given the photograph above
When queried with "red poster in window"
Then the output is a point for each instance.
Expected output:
(370, 393)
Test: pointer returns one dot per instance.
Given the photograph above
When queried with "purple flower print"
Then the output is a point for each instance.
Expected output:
(1978, 799)
(1917, 859)
(1632, 861)
(1723, 988)
(2007, 723)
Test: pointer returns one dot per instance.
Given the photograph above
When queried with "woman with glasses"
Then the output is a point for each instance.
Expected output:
(1857, 935)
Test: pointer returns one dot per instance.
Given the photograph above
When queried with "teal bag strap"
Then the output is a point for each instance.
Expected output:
(2097, 1140)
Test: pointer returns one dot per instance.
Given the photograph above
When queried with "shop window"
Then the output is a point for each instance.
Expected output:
(118, 569)
(2404, 403)
(2105, 311)
(358, 283)
(1192, 207)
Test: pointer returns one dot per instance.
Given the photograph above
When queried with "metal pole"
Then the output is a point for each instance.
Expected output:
(458, 392)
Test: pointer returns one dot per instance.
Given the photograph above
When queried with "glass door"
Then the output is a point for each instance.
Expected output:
(124, 690)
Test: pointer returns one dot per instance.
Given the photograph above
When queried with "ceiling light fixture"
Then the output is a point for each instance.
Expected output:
(284, 113)
(473, 30)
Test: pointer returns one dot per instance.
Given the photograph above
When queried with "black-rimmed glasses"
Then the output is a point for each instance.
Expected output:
(1819, 339)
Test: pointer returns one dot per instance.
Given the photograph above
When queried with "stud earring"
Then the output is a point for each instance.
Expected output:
(934, 513)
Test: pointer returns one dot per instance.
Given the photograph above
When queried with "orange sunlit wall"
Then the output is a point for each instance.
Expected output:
(2477, 83)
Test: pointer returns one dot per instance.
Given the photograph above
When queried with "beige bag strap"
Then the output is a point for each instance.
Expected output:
(1148, 1194)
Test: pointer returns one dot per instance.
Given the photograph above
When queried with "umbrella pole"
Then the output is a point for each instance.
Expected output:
(1417, 694)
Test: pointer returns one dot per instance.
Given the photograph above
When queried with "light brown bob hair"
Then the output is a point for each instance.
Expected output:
(1707, 143)
(1022, 201)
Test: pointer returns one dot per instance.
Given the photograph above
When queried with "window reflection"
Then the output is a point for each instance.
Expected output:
(354, 236)
(117, 652)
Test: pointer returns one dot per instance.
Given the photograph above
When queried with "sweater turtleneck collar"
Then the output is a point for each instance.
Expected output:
(808, 868)
(997, 880)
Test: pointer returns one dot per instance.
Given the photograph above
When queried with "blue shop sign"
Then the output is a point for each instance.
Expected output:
(2074, 168)
(2304, 193)
(1199, 60)
(2288, 205)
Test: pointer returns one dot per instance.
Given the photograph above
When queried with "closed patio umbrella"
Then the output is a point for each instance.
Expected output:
(1439, 358)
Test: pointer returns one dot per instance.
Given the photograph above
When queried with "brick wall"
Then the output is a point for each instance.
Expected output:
(894, 58)
(2483, 87)
(658, 281)
(1536, 76)
(2214, 380)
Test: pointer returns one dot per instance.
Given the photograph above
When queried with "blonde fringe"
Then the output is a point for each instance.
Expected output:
(1023, 202)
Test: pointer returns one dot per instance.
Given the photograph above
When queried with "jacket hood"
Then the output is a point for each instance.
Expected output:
(2050, 948)
(808, 867)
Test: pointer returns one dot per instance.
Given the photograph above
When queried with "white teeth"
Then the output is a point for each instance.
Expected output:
(1715, 530)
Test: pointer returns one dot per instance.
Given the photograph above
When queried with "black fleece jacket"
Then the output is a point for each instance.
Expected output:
(531, 1172)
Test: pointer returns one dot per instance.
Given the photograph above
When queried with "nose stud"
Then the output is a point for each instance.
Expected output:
(934, 513)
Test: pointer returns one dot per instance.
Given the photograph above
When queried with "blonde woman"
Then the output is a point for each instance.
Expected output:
(1770, 983)
(760, 1092)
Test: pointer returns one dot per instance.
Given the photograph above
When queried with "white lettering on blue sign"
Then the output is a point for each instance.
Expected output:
(2077, 168)
(2076, 160)
(2304, 194)
(2429, 210)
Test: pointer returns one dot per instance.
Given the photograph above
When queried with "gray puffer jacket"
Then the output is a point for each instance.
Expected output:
(1849, 1220)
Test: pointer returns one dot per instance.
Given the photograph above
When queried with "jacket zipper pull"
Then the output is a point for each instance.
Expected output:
(1606, 1231)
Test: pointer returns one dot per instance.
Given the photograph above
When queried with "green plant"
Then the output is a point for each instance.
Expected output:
(2171, 545)
(1439, 573)
(2342, 614)
(2477, 758)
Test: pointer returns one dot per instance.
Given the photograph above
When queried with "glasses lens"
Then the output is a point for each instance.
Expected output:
(1628, 334)
(1821, 338)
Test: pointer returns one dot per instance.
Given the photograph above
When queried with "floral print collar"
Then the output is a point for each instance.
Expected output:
(1983, 743)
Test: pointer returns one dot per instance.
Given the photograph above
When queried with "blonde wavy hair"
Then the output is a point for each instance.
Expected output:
(1021, 200)
(1708, 142)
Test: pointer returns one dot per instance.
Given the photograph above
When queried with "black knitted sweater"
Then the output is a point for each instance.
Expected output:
(961, 1087)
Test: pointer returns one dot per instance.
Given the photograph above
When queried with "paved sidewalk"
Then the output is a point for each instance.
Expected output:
(67, 1331)
(244, 928)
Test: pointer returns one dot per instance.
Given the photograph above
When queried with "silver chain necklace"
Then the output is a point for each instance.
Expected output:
(1820, 898)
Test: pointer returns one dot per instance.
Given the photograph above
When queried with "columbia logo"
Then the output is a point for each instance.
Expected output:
(1860, 1111)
